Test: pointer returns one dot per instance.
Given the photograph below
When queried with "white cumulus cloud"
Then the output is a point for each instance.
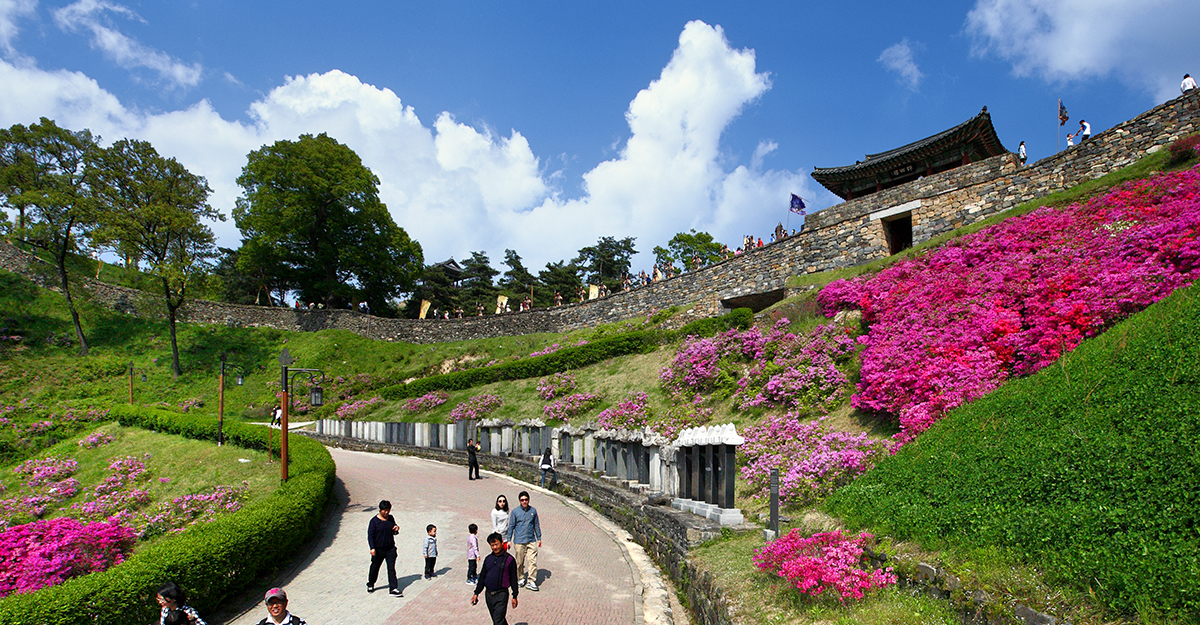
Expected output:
(11, 11)
(899, 59)
(457, 188)
(90, 16)
(1147, 44)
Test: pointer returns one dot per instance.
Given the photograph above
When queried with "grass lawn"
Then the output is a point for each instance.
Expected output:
(188, 466)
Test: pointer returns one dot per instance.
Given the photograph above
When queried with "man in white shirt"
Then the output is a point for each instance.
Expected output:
(1085, 131)
(1189, 83)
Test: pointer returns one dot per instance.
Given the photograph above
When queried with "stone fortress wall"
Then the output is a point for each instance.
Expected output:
(847, 234)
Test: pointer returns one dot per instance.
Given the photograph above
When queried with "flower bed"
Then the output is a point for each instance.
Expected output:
(812, 458)
(566, 407)
(827, 561)
(556, 385)
(950, 326)
(475, 408)
(426, 402)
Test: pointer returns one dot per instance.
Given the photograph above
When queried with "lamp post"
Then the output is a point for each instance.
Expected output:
(316, 398)
(241, 379)
(131, 382)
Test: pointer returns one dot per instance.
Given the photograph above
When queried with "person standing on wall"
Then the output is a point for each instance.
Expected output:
(473, 458)
(525, 533)
(1085, 131)
(381, 538)
(1188, 83)
(1021, 153)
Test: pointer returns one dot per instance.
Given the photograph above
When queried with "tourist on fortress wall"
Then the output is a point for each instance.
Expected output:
(1085, 131)
(1021, 152)
(1188, 83)
(1070, 140)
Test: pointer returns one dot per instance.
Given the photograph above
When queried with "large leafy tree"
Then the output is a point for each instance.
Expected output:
(606, 262)
(477, 282)
(43, 175)
(686, 246)
(560, 277)
(154, 207)
(311, 211)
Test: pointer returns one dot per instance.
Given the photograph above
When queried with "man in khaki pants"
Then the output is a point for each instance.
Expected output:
(525, 534)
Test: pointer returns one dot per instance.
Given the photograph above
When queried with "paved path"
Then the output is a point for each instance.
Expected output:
(586, 575)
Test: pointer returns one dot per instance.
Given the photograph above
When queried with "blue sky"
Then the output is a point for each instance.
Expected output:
(541, 126)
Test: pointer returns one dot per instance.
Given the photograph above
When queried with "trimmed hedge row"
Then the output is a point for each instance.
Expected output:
(636, 342)
(1088, 469)
(211, 560)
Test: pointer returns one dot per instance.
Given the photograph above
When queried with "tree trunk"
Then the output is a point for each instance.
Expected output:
(172, 307)
(61, 257)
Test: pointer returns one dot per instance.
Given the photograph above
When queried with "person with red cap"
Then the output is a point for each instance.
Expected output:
(277, 612)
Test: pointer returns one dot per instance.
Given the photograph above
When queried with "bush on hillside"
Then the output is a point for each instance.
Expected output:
(1086, 470)
(213, 560)
(950, 326)
(1184, 150)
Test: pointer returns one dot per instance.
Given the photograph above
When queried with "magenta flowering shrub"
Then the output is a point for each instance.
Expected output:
(824, 561)
(813, 459)
(350, 410)
(952, 325)
(47, 553)
(570, 406)
(181, 512)
(556, 385)
(43, 470)
(476, 407)
(777, 369)
(549, 350)
(94, 440)
(188, 404)
(630, 414)
(117, 494)
(426, 402)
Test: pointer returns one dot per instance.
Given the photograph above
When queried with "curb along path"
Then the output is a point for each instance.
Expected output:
(589, 570)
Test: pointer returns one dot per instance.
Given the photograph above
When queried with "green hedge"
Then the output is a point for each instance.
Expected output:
(1089, 469)
(212, 560)
(635, 342)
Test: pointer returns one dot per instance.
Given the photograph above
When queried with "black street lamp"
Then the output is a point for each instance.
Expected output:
(241, 379)
(316, 398)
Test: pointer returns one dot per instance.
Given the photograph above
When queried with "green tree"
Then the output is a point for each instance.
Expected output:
(153, 207)
(312, 211)
(685, 246)
(43, 174)
(562, 278)
(606, 262)
(436, 287)
(517, 281)
(663, 257)
(478, 281)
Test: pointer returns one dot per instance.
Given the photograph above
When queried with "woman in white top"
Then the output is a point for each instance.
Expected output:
(500, 516)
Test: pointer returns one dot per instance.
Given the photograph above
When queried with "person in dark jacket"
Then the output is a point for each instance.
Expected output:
(472, 459)
(381, 537)
(497, 577)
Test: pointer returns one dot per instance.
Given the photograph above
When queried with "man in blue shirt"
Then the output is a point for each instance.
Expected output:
(525, 533)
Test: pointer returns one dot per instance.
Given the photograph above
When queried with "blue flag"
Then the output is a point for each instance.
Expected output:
(797, 205)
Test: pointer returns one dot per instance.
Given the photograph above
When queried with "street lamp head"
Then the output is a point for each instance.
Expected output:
(143, 376)
(316, 396)
(241, 379)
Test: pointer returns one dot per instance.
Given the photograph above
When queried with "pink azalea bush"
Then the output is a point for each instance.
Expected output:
(94, 440)
(813, 459)
(549, 350)
(426, 402)
(777, 369)
(181, 512)
(681, 415)
(49, 552)
(556, 385)
(826, 561)
(476, 407)
(952, 325)
(350, 409)
(569, 406)
(630, 414)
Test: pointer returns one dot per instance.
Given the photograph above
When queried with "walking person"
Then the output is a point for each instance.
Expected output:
(381, 538)
(500, 516)
(430, 551)
(1085, 131)
(472, 458)
(1021, 152)
(171, 598)
(547, 466)
(525, 533)
(277, 612)
(497, 576)
(472, 553)
(277, 415)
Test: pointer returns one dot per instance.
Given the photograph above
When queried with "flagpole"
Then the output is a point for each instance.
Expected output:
(1058, 131)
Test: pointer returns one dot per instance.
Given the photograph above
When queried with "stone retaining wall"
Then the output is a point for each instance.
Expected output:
(844, 235)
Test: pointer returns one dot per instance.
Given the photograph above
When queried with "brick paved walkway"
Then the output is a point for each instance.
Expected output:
(584, 574)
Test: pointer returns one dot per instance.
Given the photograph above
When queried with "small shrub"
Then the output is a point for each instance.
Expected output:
(826, 561)
(475, 408)
(1184, 149)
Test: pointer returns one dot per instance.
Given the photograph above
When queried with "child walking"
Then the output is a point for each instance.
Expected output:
(472, 553)
(430, 550)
